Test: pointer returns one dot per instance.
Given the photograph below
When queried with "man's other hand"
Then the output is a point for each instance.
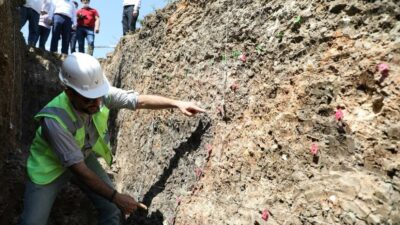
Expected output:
(127, 204)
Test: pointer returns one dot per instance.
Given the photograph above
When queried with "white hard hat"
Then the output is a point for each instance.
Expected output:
(83, 73)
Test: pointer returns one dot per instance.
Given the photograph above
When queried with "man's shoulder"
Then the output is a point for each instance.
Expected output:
(88, 10)
(94, 11)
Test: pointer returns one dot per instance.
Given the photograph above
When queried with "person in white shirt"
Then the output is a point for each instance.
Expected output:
(130, 14)
(30, 12)
(64, 20)
(45, 22)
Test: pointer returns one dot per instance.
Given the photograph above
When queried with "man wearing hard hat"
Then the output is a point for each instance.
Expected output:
(73, 130)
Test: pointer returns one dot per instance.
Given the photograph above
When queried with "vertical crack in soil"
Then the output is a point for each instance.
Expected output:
(192, 144)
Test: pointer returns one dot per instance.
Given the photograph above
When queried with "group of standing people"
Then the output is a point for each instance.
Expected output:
(66, 22)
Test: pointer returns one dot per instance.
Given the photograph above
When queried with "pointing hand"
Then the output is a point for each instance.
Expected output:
(189, 108)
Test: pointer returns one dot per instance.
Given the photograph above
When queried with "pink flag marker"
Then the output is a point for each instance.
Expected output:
(198, 172)
(208, 148)
(221, 110)
(234, 86)
(242, 57)
(383, 68)
(339, 114)
(178, 200)
(314, 149)
(265, 215)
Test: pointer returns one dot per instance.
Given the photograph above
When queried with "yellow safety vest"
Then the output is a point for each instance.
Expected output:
(43, 165)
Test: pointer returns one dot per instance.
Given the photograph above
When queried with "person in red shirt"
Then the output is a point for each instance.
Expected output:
(88, 23)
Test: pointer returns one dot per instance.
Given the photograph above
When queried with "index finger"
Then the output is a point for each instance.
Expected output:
(197, 108)
(141, 205)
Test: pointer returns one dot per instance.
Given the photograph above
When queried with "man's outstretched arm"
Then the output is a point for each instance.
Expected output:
(159, 102)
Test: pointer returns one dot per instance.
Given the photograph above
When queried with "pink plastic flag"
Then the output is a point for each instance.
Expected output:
(208, 149)
(198, 172)
(383, 68)
(178, 200)
(194, 189)
(221, 110)
(314, 149)
(234, 86)
(242, 57)
(265, 215)
(339, 114)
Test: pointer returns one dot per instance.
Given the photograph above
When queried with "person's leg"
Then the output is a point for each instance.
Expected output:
(40, 39)
(129, 13)
(39, 199)
(80, 36)
(56, 32)
(125, 22)
(73, 41)
(132, 25)
(109, 213)
(23, 11)
(90, 40)
(43, 37)
(33, 27)
(65, 34)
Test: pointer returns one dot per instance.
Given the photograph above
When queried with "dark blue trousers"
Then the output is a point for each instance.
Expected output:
(44, 33)
(29, 14)
(72, 44)
(128, 21)
(61, 27)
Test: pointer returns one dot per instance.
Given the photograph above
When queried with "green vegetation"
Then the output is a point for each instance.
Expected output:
(298, 20)
(236, 54)
(279, 35)
(259, 48)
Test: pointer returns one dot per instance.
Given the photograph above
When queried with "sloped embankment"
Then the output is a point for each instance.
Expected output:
(304, 59)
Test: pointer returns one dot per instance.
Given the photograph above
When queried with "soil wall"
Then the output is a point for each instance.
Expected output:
(272, 76)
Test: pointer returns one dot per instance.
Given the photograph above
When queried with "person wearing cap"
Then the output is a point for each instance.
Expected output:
(130, 14)
(31, 11)
(88, 24)
(73, 131)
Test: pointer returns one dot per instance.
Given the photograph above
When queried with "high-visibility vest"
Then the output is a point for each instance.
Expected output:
(43, 165)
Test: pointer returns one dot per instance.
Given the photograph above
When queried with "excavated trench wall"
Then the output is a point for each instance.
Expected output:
(250, 152)
(10, 108)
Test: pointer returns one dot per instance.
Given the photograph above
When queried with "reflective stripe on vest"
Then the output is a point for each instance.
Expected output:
(43, 165)
(72, 126)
